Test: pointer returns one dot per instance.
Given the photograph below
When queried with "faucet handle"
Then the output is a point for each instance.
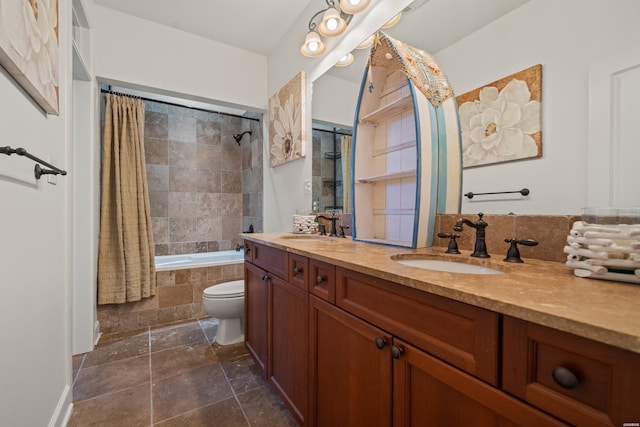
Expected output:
(453, 244)
(513, 254)
(341, 233)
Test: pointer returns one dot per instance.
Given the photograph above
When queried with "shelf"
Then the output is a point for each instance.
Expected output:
(396, 107)
(393, 88)
(386, 176)
(392, 148)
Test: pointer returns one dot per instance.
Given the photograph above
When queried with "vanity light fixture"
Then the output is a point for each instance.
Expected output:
(345, 60)
(353, 6)
(313, 45)
(333, 23)
(393, 21)
(368, 42)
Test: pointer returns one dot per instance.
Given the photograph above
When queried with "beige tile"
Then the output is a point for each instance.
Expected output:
(208, 204)
(166, 278)
(156, 151)
(231, 156)
(160, 228)
(231, 205)
(208, 181)
(182, 179)
(129, 407)
(182, 128)
(207, 132)
(231, 227)
(265, 409)
(156, 125)
(182, 154)
(231, 182)
(159, 203)
(183, 277)
(182, 230)
(182, 205)
(162, 249)
(208, 156)
(111, 377)
(551, 233)
(170, 296)
(192, 390)
(157, 178)
(208, 228)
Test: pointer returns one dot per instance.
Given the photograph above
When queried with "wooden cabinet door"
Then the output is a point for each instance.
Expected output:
(350, 376)
(429, 392)
(289, 349)
(256, 305)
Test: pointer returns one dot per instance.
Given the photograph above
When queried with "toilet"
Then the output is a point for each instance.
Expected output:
(226, 302)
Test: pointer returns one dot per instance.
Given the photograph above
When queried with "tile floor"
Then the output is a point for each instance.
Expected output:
(173, 376)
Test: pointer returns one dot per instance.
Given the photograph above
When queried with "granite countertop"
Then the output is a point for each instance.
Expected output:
(543, 292)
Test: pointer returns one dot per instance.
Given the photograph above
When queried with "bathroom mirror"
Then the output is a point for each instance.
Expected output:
(480, 43)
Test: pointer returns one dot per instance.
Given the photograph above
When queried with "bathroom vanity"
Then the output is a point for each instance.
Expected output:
(347, 335)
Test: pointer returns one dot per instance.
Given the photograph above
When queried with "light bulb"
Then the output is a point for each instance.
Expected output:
(354, 2)
(332, 24)
(313, 46)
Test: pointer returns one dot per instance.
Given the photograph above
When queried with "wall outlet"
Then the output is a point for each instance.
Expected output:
(307, 187)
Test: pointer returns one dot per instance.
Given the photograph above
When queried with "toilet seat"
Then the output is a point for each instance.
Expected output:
(233, 289)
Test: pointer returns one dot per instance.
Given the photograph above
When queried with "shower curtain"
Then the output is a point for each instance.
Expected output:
(346, 173)
(126, 268)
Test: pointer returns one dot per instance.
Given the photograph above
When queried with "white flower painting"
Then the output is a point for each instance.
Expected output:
(29, 47)
(501, 121)
(286, 122)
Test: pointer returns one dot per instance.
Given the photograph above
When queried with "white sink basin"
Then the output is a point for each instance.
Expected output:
(448, 266)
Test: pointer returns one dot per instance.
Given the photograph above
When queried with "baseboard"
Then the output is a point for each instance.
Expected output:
(96, 333)
(62, 414)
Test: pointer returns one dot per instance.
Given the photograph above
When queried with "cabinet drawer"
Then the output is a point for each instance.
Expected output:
(322, 282)
(298, 269)
(578, 380)
(461, 334)
(271, 259)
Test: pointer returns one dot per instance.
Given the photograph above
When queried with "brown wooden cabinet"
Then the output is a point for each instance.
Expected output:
(578, 380)
(276, 318)
(350, 369)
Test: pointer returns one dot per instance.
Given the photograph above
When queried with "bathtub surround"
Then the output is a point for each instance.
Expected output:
(178, 298)
(199, 178)
(126, 266)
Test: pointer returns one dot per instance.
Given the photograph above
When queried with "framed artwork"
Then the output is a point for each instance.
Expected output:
(501, 121)
(29, 48)
(286, 122)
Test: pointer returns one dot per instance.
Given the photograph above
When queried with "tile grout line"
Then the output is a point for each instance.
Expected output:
(226, 378)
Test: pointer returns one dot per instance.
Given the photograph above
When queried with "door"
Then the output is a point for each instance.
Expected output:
(256, 310)
(289, 354)
(429, 392)
(350, 369)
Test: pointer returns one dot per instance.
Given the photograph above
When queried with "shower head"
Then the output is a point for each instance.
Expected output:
(238, 136)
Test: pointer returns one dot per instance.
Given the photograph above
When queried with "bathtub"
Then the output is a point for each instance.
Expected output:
(204, 259)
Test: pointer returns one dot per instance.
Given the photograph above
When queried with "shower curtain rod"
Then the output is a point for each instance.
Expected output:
(177, 105)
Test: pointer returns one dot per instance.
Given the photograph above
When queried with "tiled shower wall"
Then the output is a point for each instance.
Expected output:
(197, 177)
(325, 162)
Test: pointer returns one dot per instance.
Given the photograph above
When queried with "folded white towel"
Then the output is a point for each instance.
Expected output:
(617, 277)
(585, 252)
(597, 269)
(585, 241)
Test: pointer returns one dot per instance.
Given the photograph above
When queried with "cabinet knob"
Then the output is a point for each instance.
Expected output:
(265, 277)
(380, 342)
(396, 352)
(319, 279)
(564, 377)
(247, 249)
(297, 270)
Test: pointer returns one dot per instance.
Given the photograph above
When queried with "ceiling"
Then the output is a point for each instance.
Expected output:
(430, 25)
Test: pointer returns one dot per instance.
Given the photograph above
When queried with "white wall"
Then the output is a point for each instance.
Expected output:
(34, 254)
(334, 100)
(141, 54)
(565, 37)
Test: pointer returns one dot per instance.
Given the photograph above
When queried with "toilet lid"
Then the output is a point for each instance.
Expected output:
(225, 290)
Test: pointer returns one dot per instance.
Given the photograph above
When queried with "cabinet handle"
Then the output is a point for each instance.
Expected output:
(297, 270)
(380, 342)
(564, 377)
(396, 352)
(265, 277)
(319, 279)
(247, 249)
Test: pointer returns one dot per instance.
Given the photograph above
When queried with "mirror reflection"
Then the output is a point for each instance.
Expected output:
(330, 168)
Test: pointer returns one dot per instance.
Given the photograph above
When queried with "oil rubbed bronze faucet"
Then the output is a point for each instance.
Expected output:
(334, 218)
(480, 248)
